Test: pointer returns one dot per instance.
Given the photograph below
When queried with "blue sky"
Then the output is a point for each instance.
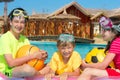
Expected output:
(49, 6)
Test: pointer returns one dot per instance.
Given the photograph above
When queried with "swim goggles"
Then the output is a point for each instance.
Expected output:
(66, 38)
(117, 27)
(20, 13)
(106, 29)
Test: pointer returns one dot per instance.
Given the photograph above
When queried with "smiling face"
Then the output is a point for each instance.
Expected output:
(66, 50)
(17, 24)
(107, 35)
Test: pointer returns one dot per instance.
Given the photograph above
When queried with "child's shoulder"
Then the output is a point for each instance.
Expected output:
(76, 52)
(57, 53)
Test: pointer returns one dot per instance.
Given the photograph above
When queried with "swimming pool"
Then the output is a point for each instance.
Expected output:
(50, 47)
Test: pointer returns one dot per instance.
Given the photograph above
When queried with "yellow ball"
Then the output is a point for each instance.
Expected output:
(97, 55)
(26, 50)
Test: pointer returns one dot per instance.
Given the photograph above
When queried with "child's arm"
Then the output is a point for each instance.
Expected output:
(18, 61)
(65, 75)
(45, 70)
(74, 73)
(49, 75)
(100, 65)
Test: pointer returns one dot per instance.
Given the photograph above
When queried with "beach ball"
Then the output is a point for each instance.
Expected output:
(26, 50)
(97, 55)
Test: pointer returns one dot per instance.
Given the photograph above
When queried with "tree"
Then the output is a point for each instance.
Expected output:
(5, 13)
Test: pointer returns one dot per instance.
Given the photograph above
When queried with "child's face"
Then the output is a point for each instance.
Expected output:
(107, 35)
(17, 24)
(67, 50)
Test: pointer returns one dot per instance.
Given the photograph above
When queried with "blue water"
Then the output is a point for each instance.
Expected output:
(50, 47)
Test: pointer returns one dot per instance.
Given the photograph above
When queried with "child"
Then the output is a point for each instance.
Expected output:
(66, 62)
(110, 33)
(11, 41)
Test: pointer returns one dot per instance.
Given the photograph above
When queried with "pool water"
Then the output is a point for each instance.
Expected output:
(50, 47)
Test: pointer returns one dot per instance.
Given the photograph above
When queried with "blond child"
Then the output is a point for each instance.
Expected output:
(66, 61)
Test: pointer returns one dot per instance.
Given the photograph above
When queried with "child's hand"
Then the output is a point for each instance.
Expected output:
(40, 55)
(45, 70)
(44, 54)
(64, 76)
(83, 64)
(49, 76)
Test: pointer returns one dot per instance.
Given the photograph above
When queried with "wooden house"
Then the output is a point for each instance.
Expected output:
(72, 18)
(114, 15)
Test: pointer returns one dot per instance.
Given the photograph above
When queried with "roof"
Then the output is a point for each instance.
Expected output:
(115, 12)
(64, 16)
(38, 16)
(108, 13)
(75, 4)
(96, 15)
(93, 13)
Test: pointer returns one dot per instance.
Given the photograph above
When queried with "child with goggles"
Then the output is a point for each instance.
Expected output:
(65, 62)
(112, 36)
(11, 41)
(18, 12)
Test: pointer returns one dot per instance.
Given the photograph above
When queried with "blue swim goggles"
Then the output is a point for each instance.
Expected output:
(66, 37)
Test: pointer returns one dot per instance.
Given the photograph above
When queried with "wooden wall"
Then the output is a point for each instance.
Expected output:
(80, 28)
(44, 27)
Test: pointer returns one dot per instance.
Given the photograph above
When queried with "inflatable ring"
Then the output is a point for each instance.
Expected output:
(53, 78)
(97, 55)
(2, 77)
(69, 78)
(108, 78)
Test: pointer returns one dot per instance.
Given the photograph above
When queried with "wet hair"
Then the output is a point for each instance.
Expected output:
(11, 16)
(64, 43)
(65, 39)
(109, 42)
